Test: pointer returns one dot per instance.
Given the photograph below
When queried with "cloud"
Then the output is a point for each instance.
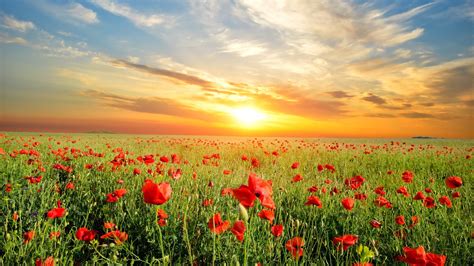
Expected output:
(5, 38)
(339, 94)
(12, 23)
(375, 99)
(127, 12)
(151, 105)
(244, 48)
(452, 82)
(72, 12)
(184, 78)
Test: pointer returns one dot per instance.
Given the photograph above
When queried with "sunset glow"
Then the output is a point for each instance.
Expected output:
(247, 117)
(279, 68)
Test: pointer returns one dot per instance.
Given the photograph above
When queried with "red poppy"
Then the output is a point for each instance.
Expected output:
(109, 225)
(314, 200)
(217, 225)
(207, 202)
(313, 189)
(56, 212)
(320, 168)
(456, 194)
(360, 196)
(164, 159)
(238, 230)
(297, 178)
(382, 202)
(15, 216)
(257, 189)
(428, 190)
(375, 224)
(227, 172)
(156, 194)
(346, 241)
(85, 234)
(255, 162)
(137, 171)
(429, 202)
(362, 264)
(267, 215)
(444, 200)
(380, 191)
(404, 191)
(70, 186)
(28, 236)
(118, 236)
(354, 182)
(295, 165)
(400, 220)
(277, 230)
(348, 203)
(407, 177)
(49, 261)
(330, 167)
(418, 257)
(414, 221)
(419, 196)
(294, 246)
(453, 182)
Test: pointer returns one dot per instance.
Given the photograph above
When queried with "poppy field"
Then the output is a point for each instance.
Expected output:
(88, 199)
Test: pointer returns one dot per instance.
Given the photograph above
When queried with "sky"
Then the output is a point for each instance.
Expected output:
(326, 68)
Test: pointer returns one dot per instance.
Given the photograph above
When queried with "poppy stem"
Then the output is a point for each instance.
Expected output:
(161, 235)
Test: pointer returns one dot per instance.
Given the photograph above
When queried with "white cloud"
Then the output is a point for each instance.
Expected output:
(82, 14)
(72, 12)
(134, 16)
(12, 23)
(5, 38)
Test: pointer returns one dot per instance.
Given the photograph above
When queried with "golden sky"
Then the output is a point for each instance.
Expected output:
(253, 68)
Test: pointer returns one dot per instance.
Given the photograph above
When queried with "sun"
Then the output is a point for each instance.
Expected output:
(247, 116)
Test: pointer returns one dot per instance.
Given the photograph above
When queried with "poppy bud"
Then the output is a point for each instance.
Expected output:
(243, 212)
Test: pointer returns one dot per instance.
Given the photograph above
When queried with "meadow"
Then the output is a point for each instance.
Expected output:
(87, 199)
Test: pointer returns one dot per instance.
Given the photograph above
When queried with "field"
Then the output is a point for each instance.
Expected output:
(116, 208)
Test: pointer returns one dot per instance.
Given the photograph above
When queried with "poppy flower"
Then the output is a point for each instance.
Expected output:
(362, 264)
(414, 221)
(419, 196)
(380, 191)
(255, 162)
(346, 241)
(320, 168)
(137, 171)
(348, 203)
(277, 230)
(382, 202)
(294, 246)
(354, 182)
(314, 200)
(400, 220)
(207, 202)
(313, 189)
(216, 224)
(15, 216)
(456, 194)
(453, 182)
(28, 236)
(70, 186)
(54, 234)
(429, 202)
(418, 256)
(118, 236)
(360, 196)
(295, 165)
(238, 230)
(267, 215)
(109, 225)
(164, 159)
(403, 190)
(156, 194)
(49, 261)
(330, 167)
(257, 189)
(227, 172)
(375, 224)
(85, 234)
(407, 177)
(56, 212)
(297, 178)
(428, 190)
(444, 200)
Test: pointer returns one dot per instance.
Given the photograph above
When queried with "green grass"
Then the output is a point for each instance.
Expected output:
(187, 239)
